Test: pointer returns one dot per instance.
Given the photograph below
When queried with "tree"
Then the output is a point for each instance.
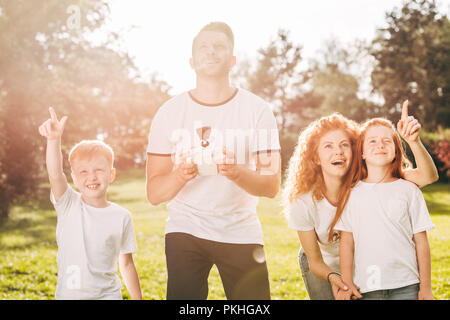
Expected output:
(47, 60)
(413, 62)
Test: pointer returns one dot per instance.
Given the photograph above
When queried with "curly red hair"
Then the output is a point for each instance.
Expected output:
(304, 174)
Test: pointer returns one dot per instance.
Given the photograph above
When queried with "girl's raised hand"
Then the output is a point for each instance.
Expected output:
(408, 126)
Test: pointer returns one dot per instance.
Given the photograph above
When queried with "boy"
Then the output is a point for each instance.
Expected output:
(92, 234)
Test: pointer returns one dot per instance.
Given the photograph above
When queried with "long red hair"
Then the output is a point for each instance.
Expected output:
(358, 168)
(304, 174)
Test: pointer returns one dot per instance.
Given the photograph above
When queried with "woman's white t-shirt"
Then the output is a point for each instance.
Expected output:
(383, 219)
(307, 214)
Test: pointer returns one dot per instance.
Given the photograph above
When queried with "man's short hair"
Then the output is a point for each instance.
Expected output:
(88, 149)
(217, 26)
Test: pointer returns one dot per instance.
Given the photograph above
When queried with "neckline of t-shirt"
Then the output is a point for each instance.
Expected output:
(379, 183)
(203, 104)
(88, 205)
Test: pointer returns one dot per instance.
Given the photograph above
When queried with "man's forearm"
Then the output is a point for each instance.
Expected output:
(257, 184)
(163, 188)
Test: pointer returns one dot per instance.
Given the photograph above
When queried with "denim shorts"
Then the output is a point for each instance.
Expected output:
(317, 288)
(405, 293)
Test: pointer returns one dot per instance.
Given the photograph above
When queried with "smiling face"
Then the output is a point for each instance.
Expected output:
(212, 54)
(379, 146)
(92, 177)
(334, 153)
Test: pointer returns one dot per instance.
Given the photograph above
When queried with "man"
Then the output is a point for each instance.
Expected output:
(212, 209)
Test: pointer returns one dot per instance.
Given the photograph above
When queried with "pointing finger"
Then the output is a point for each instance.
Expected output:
(53, 114)
(405, 110)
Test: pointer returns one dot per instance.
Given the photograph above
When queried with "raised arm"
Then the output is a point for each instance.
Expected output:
(53, 129)
(426, 171)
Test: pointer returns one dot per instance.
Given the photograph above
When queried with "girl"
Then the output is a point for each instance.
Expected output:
(314, 178)
(384, 223)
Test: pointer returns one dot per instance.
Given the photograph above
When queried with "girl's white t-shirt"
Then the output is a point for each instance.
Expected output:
(307, 214)
(383, 219)
(213, 207)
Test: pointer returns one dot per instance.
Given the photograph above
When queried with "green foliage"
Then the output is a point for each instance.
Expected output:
(47, 60)
(28, 260)
(412, 62)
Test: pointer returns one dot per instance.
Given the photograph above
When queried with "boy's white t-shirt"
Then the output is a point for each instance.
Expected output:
(306, 214)
(89, 243)
(214, 207)
(383, 219)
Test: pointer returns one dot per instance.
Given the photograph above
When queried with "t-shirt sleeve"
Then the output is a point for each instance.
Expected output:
(64, 203)
(420, 217)
(299, 216)
(344, 222)
(128, 244)
(266, 132)
(159, 136)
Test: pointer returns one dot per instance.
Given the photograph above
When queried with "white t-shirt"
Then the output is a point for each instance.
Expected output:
(383, 219)
(89, 243)
(307, 214)
(213, 207)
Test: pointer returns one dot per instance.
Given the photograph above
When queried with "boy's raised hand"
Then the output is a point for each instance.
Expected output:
(53, 128)
(408, 126)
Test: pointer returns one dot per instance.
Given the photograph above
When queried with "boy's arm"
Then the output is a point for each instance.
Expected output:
(130, 275)
(346, 250)
(424, 264)
(52, 129)
(426, 171)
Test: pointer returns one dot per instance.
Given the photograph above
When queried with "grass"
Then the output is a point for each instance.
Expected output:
(28, 247)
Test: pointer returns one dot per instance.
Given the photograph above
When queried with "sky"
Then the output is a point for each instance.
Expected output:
(158, 34)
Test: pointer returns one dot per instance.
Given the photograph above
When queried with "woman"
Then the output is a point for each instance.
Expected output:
(315, 176)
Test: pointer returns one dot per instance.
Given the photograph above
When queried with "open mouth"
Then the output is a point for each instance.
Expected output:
(93, 186)
(338, 163)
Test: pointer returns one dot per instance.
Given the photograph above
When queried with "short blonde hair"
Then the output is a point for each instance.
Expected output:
(88, 149)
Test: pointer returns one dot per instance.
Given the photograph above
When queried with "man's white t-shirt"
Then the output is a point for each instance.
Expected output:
(89, 243)
(214, 207)
(383, 219)
(307, 214)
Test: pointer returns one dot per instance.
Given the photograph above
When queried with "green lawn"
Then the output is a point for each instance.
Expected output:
(28, 247)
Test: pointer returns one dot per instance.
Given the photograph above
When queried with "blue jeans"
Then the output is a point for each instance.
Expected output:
(405, 293)
(317, 289)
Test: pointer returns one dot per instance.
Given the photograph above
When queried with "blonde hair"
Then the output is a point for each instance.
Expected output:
(304, 174)
(88, 149)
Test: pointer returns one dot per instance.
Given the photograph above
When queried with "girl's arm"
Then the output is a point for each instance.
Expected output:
(318, 267)
(424, 264)
(346, 250)
(426, 172)
(409, 129)
(130, 276)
